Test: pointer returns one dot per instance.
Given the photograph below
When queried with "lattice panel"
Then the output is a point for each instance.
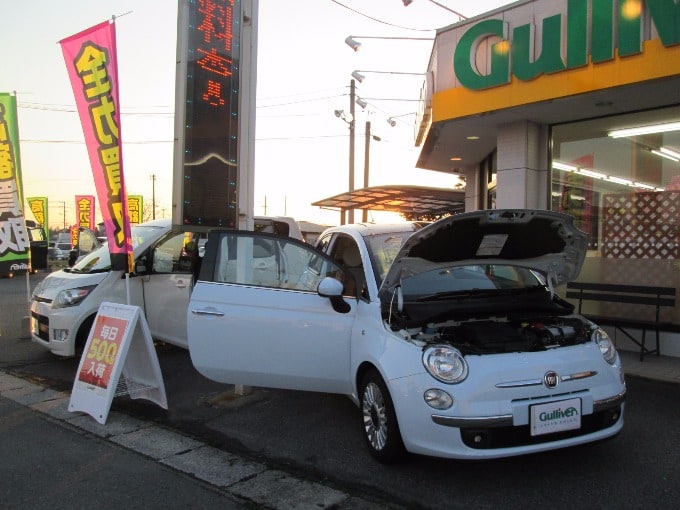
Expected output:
(641, 226)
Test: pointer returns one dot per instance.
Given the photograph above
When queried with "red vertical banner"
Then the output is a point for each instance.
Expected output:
(85, 208)
(90, 58)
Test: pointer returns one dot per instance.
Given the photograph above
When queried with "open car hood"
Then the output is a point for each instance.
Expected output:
(545, 241)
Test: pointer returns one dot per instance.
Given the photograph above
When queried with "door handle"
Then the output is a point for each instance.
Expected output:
(207, 312)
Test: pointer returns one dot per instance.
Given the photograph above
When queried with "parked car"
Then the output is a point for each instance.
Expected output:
(54, 254)
(451, 339)
(65, 303)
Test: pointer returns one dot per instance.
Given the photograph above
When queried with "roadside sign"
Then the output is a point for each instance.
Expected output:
(119, 359)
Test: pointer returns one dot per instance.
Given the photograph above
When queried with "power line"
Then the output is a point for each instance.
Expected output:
(381, 21)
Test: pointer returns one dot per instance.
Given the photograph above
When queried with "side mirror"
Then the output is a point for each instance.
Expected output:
(332, 289)
(72, 257)
(140, 266)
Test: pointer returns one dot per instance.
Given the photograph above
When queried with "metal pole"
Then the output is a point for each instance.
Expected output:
(352, 99)
(153, 196)
(367, 154)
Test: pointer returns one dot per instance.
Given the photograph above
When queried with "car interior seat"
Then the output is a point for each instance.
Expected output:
(351, 258)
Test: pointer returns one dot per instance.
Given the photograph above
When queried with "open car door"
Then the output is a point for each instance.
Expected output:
(268, 311)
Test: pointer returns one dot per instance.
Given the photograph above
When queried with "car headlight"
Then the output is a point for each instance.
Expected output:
(445, 364)
(72, 297)
(606, 345)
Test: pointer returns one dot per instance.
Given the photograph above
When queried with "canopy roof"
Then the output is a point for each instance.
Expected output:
(417, 200)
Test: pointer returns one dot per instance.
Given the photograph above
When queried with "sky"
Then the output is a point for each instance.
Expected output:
(303, 75)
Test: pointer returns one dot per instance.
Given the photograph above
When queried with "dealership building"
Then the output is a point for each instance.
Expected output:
(573, 106)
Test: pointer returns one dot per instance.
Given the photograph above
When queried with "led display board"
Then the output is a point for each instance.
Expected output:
(209, 39)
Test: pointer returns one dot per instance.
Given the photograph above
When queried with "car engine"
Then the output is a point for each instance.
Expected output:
(508, 335)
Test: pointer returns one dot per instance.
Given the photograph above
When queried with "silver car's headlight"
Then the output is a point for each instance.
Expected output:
(72, 297)
(606, 345)
(445, 364)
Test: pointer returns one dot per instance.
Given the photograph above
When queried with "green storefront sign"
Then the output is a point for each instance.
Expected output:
(609, 30)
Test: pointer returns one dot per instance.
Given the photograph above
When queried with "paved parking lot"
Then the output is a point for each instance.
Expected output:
(314, 440)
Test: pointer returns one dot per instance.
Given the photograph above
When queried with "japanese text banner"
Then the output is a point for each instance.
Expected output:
(135, 208)
(90, 58)
(14, 240)
(85, 208)
(38, 206)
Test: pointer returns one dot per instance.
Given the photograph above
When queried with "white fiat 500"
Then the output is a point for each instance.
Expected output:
(450, 339)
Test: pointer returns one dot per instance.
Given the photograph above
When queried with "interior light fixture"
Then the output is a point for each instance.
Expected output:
(563, 166)
(590, 173)
(645, 130)
(620, 180)
(664, 155)
(670, 152)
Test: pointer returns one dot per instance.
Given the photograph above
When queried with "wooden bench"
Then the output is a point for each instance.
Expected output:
(656, 297)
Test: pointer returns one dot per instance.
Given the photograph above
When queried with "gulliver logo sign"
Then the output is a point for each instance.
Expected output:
(555, 416)
(612, 31)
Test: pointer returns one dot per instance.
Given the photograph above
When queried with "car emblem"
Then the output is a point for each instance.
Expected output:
(551, 379)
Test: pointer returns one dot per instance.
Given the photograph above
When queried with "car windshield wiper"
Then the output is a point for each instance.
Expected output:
(469, 293)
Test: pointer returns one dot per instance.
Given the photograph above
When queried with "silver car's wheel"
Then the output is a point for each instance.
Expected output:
(381, 430)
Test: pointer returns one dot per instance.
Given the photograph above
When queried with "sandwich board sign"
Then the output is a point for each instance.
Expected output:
(119, 344)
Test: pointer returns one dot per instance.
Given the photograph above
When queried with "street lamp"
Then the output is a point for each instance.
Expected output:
(392, 121)
(360, 77)
(352, 42)
(409, 2)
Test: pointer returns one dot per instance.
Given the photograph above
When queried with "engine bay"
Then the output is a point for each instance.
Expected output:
(495, 336)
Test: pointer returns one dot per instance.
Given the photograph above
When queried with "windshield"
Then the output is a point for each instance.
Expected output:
(383, 248)
(99, 260)
(466, 280)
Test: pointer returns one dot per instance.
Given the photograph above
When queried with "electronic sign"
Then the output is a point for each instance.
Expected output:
(210, 90)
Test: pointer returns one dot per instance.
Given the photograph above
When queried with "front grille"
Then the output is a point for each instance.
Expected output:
(43, 326)
(507, 437)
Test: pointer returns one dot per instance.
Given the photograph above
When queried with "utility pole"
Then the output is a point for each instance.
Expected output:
(352, 98)
(153, 196)
(367, 154)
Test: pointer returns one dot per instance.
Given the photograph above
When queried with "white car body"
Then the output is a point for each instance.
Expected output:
(161, 290)
(302, 332)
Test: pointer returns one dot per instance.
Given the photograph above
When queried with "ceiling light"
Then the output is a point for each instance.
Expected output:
(670, 152)
(664, 155)
(619, 180)
(472, 137)
(563, 166)
(645, 130)
(590, 173)
(456, 159)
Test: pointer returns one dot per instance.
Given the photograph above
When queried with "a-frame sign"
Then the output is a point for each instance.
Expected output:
(119, 358)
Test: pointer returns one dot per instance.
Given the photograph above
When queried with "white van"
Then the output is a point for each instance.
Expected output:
(167, 260)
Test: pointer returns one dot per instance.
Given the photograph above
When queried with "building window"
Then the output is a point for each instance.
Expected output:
(624, 192)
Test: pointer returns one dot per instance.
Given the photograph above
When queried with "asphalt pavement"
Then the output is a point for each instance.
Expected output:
(49, 463)
(284, 449)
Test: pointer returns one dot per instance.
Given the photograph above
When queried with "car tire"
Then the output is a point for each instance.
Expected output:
(379, 420)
